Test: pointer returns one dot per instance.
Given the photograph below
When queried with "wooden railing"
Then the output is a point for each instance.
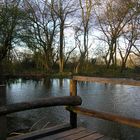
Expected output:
(98, 114)
(48, 102)
(73, 101)
(2, 118)
(122, 81)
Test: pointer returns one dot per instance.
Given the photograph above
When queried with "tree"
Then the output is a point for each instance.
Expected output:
(11, 20)
(63, 9)
(41, 32)
(131, 36)
(82, 31)
(86, 13)
(113, 17)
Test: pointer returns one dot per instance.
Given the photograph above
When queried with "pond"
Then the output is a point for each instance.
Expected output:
(119, 99)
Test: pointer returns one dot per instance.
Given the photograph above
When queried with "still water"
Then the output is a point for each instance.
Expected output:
(118, 99)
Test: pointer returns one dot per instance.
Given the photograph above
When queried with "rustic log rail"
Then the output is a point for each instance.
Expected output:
(71, 102)
(122, 81)
(98, 114)
(48, 102)
(3, 120)
(106, 116)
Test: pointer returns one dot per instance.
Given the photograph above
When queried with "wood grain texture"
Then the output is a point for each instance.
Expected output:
(76, 136)
(73, 88)
(106, 116)
(64, 134)
(73, 92)
(122, 81)
(48, 102)
(93, 136)
(79, 133)
(41, 133)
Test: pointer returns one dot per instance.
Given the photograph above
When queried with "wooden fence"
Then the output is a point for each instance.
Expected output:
(98, 114)
(3, 122)
(70, 101)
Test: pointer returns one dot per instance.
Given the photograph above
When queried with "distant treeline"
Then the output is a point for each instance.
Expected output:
(78, 36)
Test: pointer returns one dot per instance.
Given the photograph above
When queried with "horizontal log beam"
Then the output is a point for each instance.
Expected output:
(122, 81)
(2, 86)
(48, 102)
(106, 116)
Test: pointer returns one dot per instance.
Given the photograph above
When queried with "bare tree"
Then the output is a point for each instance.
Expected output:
(86, 12)
(131, 36)
(82, 31)
(40, 34)
(112, 19)
(63, 9)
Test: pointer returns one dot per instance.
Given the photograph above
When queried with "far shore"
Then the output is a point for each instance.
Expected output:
(65, 75)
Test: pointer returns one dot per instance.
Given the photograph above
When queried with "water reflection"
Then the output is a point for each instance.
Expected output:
(119, 99)
(47, 82)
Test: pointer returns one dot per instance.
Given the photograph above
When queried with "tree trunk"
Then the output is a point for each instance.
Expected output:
(123, 66)
(77, 68)
(110, 58)
(61, 59)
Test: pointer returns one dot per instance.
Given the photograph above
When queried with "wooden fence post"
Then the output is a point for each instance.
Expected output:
(73, 92)
(3, 123)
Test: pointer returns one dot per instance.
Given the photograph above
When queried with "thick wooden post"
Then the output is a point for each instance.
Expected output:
(3, 126)
(73, 88)
(73, 92)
